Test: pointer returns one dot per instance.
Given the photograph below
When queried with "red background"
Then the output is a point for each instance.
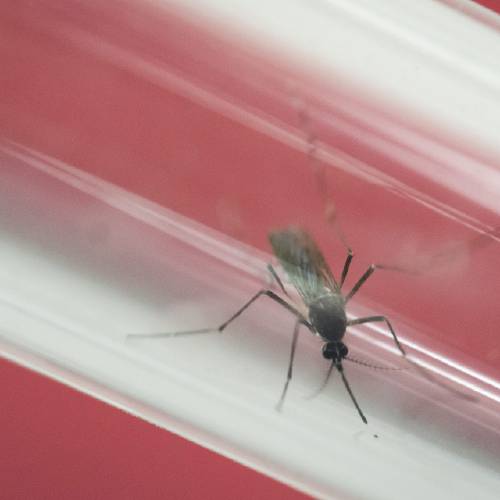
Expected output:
(59, 443)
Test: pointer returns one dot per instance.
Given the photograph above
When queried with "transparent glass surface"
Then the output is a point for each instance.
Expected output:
(145, 155)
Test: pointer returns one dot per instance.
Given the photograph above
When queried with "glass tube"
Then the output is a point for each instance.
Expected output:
(148, 150)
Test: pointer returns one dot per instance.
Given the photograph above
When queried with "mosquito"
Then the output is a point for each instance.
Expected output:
(324, 314)
(309, 273)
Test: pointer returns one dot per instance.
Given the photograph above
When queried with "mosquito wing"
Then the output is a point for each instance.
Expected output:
(303, 263)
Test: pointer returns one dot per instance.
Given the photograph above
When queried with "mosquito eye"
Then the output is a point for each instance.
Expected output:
(335, 350)
(329, 352)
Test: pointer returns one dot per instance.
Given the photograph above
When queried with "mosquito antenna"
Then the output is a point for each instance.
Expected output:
(370, 365)
(143, 336)
(340, 369)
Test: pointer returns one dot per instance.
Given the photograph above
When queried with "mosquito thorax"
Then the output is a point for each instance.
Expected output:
(327, 316)
(336, 351)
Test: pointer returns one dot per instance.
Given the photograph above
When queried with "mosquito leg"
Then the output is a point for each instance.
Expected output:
(274, 274)
(347, 264)
(373, 319)
(222, 327)
(340, 369)
(319, 172)
(279, 406)
(324, 384)
(441, 258)
(272, 296)
(368, 273)
(447, 255)
(361, 281)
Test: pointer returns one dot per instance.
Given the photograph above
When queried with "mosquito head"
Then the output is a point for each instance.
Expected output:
(327, 316)
(335, 351)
